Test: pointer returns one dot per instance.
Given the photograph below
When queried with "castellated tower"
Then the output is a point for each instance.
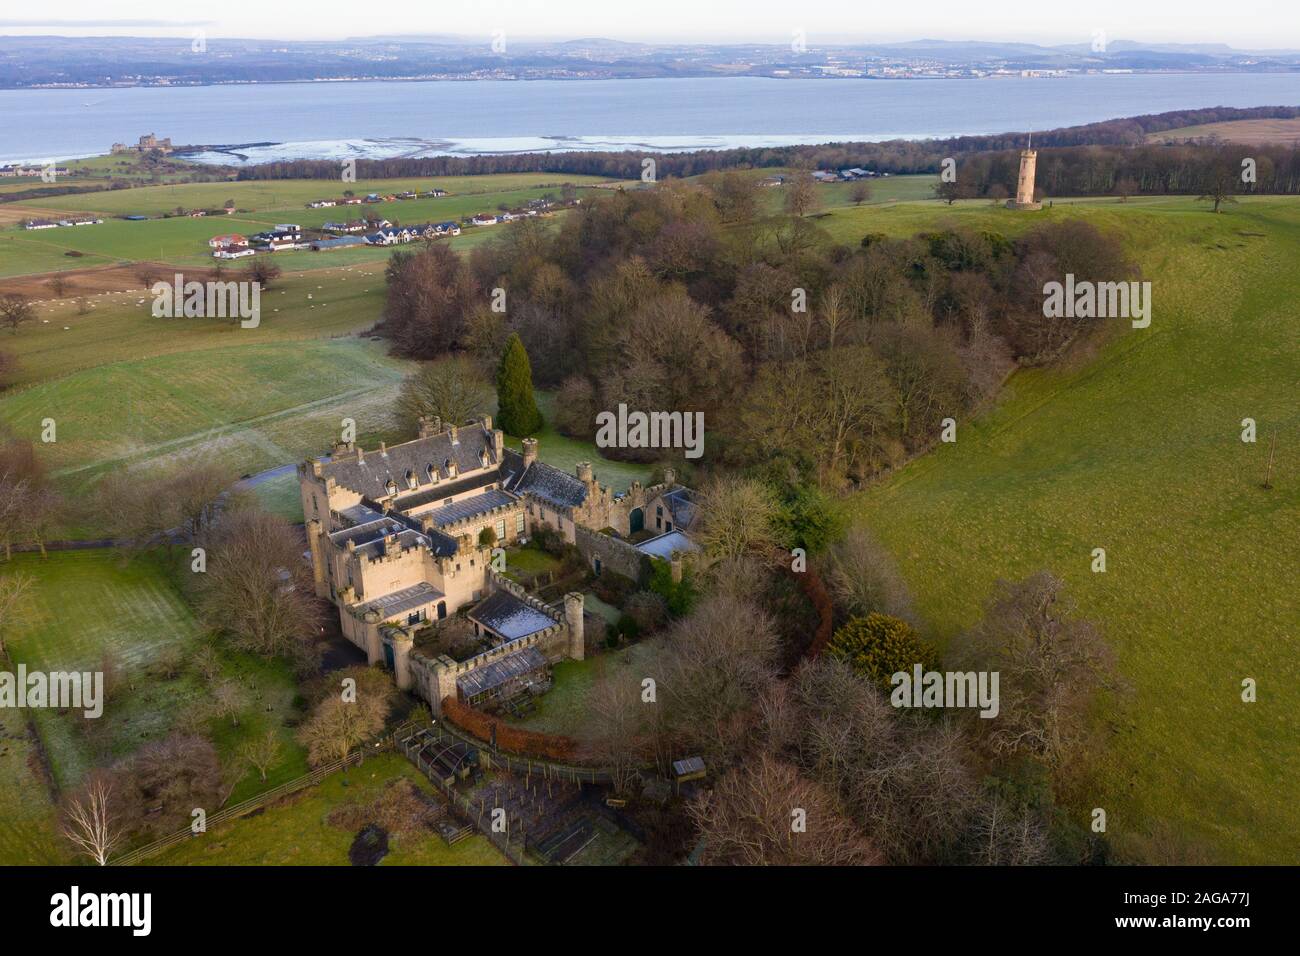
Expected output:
(1025, 184)
(573, 618)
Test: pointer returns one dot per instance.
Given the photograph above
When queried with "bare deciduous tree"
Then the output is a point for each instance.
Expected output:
(351, 710)
(257, 590)
(737, 517)
(451, 389)
(865, 579)
(262, 751)
(622, 720)
(766, 814)
(15, 309)
(1051, 663)
(90, 821)
(15, 590)
(714, 665)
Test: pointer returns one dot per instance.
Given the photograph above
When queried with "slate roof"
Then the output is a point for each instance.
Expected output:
(504, 614)
(469, 507)
(684, 505)
(444, 546)
(543, 481)
(360, 514)
(406, 538)
(407, 599)
(492, 675)
(431, 493)
(364, 534)
(664, 545)
(370, 476)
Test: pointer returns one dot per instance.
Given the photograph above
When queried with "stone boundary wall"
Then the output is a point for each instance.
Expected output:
(615, 554)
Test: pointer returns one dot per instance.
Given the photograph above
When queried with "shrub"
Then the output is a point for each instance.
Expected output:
(679, 596)
(515, 740)
(878, 646)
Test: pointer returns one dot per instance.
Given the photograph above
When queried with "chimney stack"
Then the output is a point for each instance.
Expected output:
(530, 451)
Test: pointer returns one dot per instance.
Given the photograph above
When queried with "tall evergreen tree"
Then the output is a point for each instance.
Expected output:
(517, 412)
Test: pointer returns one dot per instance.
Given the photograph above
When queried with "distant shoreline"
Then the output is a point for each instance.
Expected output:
(1045, 74)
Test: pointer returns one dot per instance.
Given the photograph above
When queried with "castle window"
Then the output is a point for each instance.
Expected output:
(519, 523)
(501, 530)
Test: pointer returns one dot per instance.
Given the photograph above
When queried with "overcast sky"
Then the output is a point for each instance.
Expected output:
(1256, 24)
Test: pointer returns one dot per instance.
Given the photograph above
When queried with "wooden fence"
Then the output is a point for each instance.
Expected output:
(264, 798)
(407, 742)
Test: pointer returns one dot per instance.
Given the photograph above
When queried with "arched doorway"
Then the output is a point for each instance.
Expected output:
(636, 520)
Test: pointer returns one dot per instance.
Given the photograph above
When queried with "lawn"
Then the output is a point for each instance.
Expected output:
(120, 326)
(296, 831)
(1139, 452)
(251, 408)
(128, 612)
(564, 453)
(28, 821)
(564, 708)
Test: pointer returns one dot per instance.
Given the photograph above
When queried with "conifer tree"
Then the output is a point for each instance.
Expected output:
(517, 412)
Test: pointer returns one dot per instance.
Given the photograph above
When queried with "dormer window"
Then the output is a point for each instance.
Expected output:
(432, 472)
(411, 480)
(390, 486)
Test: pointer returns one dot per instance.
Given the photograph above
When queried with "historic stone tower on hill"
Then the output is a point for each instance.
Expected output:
(1025, 184)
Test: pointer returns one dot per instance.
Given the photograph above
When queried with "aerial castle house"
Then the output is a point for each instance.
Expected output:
(1025, 184)
(402, 537)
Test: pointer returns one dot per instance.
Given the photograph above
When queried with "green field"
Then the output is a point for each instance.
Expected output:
(259, 205)
(28, 822)
(296, 832)
(262, 196)
(91, 606)
(128, 612)
(1139, 451)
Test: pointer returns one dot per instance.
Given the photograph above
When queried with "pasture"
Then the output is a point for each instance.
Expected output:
(1139, 451)
(297, 831)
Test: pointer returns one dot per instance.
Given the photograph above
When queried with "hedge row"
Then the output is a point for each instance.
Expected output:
(512, 739)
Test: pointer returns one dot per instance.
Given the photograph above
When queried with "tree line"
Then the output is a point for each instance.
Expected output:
(898, 157)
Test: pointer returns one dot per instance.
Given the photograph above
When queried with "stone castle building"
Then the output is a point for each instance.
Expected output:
(400, 537)
(147, 143)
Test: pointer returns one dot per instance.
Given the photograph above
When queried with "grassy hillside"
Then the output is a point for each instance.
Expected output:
(1139, 452)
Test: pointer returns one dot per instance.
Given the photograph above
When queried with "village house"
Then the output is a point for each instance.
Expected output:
(222, 242)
